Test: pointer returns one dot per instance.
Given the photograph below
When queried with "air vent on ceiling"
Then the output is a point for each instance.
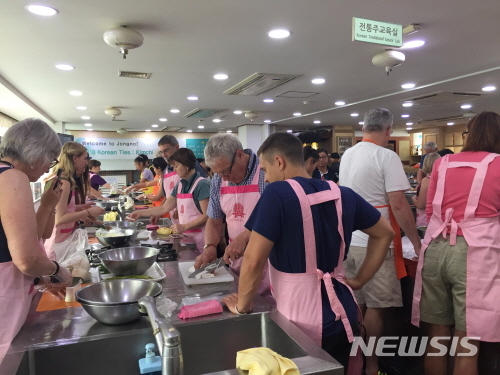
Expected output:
(172, 128)
(445, 119)
(122, 73)
(444, 97)
(296, 94)
(259, 83)
(203, 113)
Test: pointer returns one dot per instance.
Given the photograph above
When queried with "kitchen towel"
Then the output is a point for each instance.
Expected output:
(200, 309)
(263, 361)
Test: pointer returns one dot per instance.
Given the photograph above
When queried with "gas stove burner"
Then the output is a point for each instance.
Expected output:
(93, 254)
(167, 257)
(167, 252)
(163, 246)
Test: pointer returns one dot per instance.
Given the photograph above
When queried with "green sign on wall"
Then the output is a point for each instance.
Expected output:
(369, 31)
(197, 146)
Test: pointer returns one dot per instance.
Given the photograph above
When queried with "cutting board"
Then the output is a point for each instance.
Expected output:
(221, 275)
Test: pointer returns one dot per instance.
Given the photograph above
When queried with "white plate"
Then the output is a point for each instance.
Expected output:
(221, 275)
(143, 235)
(155, 271)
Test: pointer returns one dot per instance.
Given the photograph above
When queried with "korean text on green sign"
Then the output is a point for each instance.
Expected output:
(369, 31)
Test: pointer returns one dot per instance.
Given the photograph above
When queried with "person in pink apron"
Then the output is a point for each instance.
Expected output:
(235, 189)
(96, 181)
(420, 200)
(21, 256)
(304, 225)
(457, 282)
(71, 208)
(189, 196)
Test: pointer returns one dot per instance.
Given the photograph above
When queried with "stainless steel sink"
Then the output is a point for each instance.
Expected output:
(209, 347)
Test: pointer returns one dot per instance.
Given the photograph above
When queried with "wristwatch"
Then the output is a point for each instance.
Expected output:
(208, 245)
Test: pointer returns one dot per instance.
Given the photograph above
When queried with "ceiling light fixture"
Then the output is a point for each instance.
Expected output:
(297, 114)
(317, 122)
(90, 130)
(113, 112)
(340, 102)
(408, 86)
(189, 131)
(354, 114)
(123, 38)
(76, 93)
(289, 131)
(42, 10)
(268, 100)
(407, 104)
(174, 110)
(192, 98)
(201, 126)
(221, 76)
(409, 123)
(409, 128)
(361, 123)
(64, 67)
(238, 112)
(163, 119)
(229, 131)
(85, 117)
(413, 44)
(148, 130)
(279, 34)
(251, 115)
(87, 124)
(318, 81)
(388, 60)
(216, 120)
(466, 106)
(267, 121)
(450, 123)
(489, 88)
(405, 116)
(81, 108)
(154, 126)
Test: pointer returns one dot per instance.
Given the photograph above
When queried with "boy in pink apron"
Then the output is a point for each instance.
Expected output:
(302, 226)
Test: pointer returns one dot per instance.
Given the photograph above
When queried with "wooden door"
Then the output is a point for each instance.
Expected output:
(430, 138)
(404, 151)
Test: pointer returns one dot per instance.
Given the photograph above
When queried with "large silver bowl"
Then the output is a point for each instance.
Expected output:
(115, 301)
(136, 227)
(118, 241)
(129, 260)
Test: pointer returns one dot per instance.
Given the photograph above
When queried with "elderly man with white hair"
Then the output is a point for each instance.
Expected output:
(377, 174)
(429, 147)
(235, 189)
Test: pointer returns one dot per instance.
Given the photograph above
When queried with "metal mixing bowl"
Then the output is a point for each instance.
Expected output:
(136, 227)
(115, 301)
(118, 241)
(129, 260)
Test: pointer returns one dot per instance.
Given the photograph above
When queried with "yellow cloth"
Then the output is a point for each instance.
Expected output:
(110, 216)
(263, 361)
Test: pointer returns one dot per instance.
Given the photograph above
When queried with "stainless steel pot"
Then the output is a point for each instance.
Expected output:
(118, 241)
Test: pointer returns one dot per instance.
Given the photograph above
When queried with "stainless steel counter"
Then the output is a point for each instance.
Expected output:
(73, 325)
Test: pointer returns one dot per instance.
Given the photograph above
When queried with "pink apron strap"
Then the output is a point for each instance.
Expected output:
(255, 180)
(438, 197)
(195, 184)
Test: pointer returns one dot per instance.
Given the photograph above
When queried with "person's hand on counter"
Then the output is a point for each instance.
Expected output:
(154, 220)
(231, 301)
(57, 289)
(235, 249)
(95, 211)
(208, 255)
(178, 228)
(133, 216)
(87, 205)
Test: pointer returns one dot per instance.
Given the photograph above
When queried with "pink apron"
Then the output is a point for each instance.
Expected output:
(483, 255)
(237, 203)
(169, 181)
(61, 232)
(298, 295)
(188, 212)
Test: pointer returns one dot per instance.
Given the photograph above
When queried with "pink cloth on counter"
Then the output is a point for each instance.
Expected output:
(200, 309)
(458, 184)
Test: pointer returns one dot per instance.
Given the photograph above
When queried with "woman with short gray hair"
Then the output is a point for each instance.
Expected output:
(27, 151)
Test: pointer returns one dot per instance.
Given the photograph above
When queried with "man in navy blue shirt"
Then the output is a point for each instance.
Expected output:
(280, 234)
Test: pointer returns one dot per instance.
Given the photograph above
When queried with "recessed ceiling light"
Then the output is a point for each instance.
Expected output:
(318, 81)
(64, 67)
(163, 119)
(409, 123)
(361, 123)
(407, 104)
(201, 126)
(148, 130)
(279, 34)
(85, 117)
(268, 100)
(354, 114)
(413, 44)
(189, 131)
(75, 93)
(409, 128)
(216, 120)
(466, 106)
(90, 130)
(450, 123)
(154, 126)
(267, 121)
(405, 116)
(81, 108)
(489, 88)
(221, 76)
(174, 110)
(317, 122)
(87, 124)
(42, 10)
(340, 102)
(229, 131)
(297, 114)
(192, 98)
(289, 131)
(408, 86)
(238, 112)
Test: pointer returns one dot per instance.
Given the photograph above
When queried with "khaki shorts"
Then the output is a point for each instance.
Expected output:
(383, 289)
(444, 278)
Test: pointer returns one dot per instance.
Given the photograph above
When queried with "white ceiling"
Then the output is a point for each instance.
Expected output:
(187, 41)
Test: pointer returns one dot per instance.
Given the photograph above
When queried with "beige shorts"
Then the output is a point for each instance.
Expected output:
(444, 276)
(383, 289)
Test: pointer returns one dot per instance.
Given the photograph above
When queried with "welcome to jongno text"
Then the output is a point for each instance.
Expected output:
(386, 345)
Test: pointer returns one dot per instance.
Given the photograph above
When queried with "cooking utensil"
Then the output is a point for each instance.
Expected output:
(129, 260)
(210, 267)
(115, 301)
(106, 205)
(118, 241)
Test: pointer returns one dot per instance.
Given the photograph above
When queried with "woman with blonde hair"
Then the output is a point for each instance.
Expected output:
(71, 208)
(27, 151)
(420, 200)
